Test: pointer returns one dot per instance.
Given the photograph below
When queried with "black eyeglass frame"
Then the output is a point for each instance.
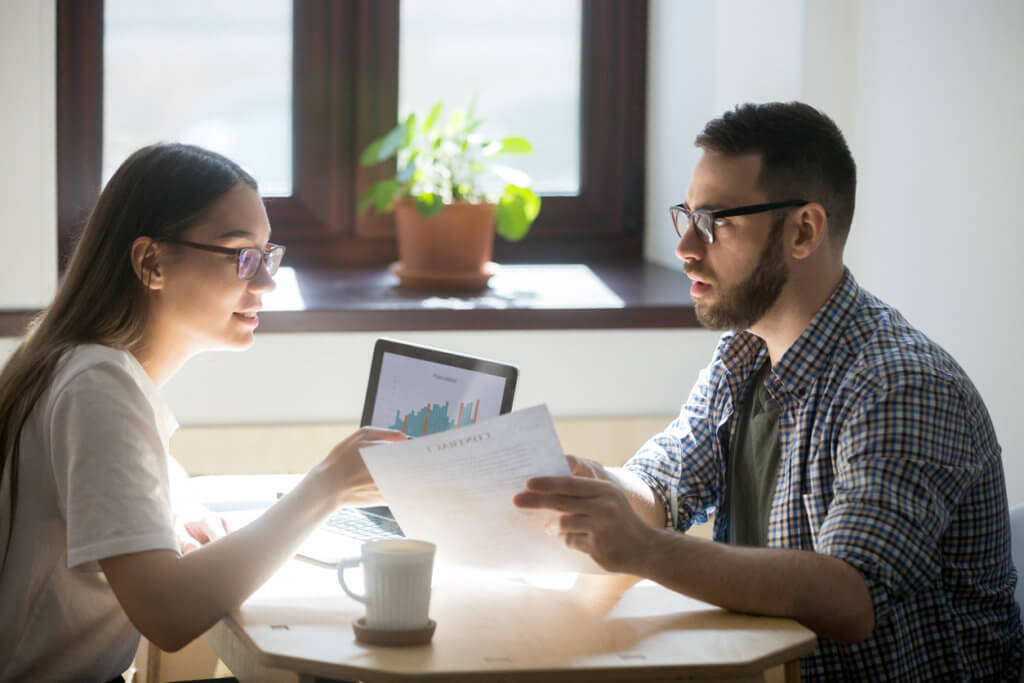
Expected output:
(704, 219)
(267, 256)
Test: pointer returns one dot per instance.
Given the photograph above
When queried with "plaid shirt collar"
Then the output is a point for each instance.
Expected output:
(743, 352)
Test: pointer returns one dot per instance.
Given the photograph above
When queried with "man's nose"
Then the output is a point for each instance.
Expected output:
(690, 247)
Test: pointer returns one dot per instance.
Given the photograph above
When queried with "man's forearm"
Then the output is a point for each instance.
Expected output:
(640, 496)
(823, 593)
(615, 517)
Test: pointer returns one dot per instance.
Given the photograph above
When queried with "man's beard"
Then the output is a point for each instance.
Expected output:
(742, 305)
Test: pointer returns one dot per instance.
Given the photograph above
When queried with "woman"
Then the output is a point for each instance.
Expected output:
(173, 261)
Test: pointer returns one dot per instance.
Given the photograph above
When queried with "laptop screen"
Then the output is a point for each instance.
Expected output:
(420, 390)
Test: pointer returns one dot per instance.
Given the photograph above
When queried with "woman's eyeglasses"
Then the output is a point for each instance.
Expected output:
(247, 258)
(705, 220)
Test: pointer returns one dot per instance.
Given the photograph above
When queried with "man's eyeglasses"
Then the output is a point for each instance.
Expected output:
(705, 220)
(247, 258)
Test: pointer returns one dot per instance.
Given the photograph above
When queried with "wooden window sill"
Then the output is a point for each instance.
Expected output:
(520, 297)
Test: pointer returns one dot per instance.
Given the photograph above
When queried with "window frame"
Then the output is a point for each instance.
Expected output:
(345, 81)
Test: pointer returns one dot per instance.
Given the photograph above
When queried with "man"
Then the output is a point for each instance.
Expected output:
(853, 467)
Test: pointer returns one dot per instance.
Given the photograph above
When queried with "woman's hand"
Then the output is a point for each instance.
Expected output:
(347, 471)
(199, 531)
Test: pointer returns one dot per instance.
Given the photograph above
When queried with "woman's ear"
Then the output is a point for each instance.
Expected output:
(145, 255)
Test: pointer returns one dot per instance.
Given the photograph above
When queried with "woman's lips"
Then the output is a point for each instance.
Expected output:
(250, 319)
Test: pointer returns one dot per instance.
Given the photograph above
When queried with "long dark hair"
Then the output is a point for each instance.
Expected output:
(159, 191)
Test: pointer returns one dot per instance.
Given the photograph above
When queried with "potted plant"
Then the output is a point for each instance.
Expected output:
(449, 196)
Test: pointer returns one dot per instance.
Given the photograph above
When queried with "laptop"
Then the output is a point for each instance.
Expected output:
(417, 390)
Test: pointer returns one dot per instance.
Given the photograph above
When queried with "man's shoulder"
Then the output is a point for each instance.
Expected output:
(886, 350)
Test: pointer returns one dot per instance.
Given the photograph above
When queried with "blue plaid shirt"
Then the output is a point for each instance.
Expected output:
(888, 460)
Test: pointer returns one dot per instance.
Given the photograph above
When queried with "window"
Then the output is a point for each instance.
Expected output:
(346, 89)
(519, 58)
(217, 75)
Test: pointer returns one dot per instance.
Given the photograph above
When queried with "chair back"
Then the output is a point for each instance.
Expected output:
(1017, 546)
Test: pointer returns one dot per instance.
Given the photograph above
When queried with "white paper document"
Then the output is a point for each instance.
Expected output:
(455, 489)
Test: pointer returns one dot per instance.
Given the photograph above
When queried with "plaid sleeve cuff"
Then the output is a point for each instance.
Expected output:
(664, 493)
(875, 577)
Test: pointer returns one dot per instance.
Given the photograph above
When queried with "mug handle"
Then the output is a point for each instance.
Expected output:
(348, 563)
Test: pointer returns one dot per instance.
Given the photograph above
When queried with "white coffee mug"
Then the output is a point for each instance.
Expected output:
(397, 575)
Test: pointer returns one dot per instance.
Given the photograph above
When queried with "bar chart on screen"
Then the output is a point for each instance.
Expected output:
(419, 398)
(433, 418)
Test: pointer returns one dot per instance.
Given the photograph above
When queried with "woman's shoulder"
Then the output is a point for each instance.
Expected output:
(94, 383)
(90, 363)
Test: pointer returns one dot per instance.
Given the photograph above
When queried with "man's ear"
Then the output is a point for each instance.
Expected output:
(811, 224)
(145, 255)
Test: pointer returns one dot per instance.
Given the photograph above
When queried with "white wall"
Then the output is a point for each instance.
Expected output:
(322, 377)
(28, 191)
(941, 160)
(680, 92)
(925, 90)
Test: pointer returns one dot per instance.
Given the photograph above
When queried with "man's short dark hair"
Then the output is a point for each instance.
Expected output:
(804, 155)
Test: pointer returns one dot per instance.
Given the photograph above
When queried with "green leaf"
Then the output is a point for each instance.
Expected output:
(516, 211)
(409, 127)
(404, 174)
(368, 199)
(511, 220)
(428, 205)
(531, 200)
(381, 196)
(383, 147)
(456, 122)
(387, 192)
(515, 146)
(372, 153)
(435, 112)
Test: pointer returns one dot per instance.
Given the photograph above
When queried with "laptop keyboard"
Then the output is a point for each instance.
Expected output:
(362, 526)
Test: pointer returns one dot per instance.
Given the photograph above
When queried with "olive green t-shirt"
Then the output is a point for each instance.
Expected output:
(752, 465)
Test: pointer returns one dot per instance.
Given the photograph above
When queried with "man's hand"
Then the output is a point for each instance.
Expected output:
(596, 518)
(582, 467)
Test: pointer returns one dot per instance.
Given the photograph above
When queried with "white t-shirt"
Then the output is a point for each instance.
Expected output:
(93, 483)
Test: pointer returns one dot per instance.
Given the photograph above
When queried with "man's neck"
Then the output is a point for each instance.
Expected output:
(801, 299)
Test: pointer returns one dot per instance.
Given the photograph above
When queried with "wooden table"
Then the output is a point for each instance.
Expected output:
(491, 628)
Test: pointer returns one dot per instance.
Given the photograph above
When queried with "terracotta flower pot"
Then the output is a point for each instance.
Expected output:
(449, 250)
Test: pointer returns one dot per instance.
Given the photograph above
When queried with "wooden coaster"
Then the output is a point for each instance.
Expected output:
(393, 637)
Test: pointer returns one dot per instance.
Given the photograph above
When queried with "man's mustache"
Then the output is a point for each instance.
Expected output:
(698, 272)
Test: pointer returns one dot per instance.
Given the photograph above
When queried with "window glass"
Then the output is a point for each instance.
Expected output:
(520, 60)
(215, 74)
